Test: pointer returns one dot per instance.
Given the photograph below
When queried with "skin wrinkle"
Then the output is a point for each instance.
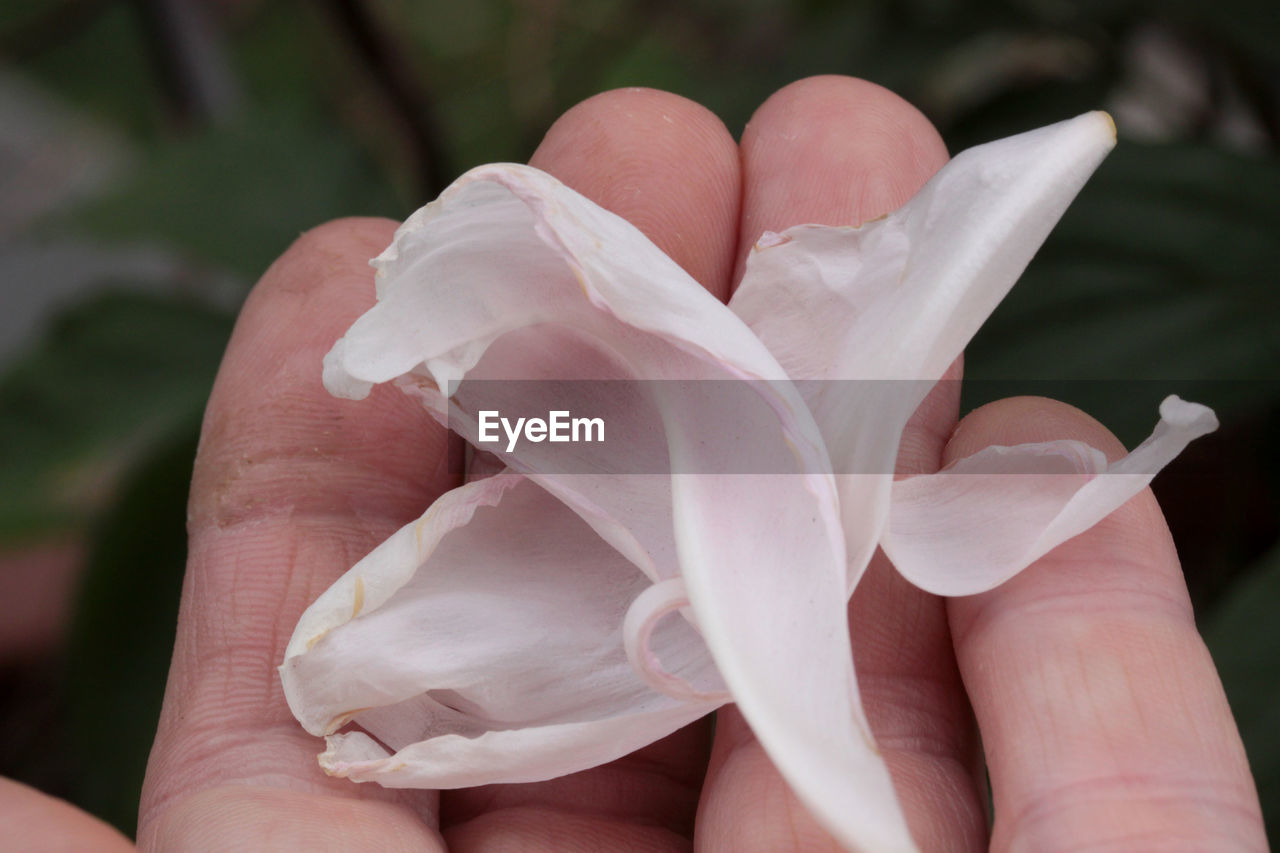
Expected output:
(629, 781)
(290, 761)
(557, 831)
(207, 746)
(657, 771)
(1117, 599)
(250, 487)
(278, 824)
(907, 708)
(1122, 787)
(1101, 706)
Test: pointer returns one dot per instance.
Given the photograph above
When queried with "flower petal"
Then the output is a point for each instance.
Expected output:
(530, 754)
(512, 276)
(898, 298)
(577, 293)
(988, 516)
(482, 643)
(650, 606)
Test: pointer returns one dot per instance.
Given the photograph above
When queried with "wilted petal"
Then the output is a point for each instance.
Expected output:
(988, 516)
(513, 276)
(530, 754)
(897, 299)
(482, 643)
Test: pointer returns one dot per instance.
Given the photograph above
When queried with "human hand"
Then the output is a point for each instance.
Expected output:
(1101, 715)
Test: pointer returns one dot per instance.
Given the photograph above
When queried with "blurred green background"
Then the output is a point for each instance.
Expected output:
(155, 156)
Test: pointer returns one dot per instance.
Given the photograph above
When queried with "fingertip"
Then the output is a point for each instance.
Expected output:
(320, 283)
(848, 102)
(342, 243)
(664, 163)
(833, 150)
(1026, 420)
(271, 433)
(341, 238)
(625, 128)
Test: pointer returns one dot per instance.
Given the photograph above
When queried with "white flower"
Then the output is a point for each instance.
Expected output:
(515, 632)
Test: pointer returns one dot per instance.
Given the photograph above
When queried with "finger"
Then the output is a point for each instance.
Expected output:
(1103, 720)
(291, 486)
(838, 151)
(668, 166)
(831, 151)
(663, 163)
(37, 823)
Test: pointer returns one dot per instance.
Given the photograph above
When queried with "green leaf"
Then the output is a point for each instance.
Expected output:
(97, 59)
(1159, 279)
(123, 630)
(1243, 635)
(236, 197)
(111, 374)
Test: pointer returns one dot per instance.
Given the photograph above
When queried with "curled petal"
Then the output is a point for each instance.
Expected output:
(877, 313)
(482, 643)
(988, 516)
(646, 611)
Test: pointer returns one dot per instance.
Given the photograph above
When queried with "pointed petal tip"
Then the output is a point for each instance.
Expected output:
(1109, 123)
(1093, 134)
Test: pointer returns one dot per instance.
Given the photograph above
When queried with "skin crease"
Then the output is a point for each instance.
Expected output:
(292, 486)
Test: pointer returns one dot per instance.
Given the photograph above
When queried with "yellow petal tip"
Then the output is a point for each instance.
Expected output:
(1111, 123)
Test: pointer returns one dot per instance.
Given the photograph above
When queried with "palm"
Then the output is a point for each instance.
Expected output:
(292, 486)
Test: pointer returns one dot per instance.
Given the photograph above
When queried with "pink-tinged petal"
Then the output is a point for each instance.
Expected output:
(511, 276)
(482, 643)
(648, 609)
(781, 641)
(508, 247)
(878, 312)
(986, 517)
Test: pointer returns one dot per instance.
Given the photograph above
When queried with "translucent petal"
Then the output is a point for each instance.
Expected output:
(880, 311)
(513, 276)
(987, 517)
(482, 643)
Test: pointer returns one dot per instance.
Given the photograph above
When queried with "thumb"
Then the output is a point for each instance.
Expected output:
(37, 823)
